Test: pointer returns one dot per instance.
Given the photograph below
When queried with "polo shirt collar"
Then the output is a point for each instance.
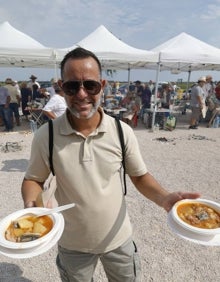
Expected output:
(66, 129)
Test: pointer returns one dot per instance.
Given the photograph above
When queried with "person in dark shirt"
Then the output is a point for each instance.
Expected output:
(25, 98)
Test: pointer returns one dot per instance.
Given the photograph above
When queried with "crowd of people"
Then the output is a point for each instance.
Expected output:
(204, 100)
(19, 99)
(136, 98)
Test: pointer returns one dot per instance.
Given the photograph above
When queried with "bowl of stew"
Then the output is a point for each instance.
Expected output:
(199, 216)
(23, 230)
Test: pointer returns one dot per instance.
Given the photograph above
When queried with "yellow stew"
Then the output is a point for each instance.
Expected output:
(199, 215)
(28, 228)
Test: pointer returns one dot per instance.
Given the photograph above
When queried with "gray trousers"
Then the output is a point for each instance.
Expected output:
(120, 265)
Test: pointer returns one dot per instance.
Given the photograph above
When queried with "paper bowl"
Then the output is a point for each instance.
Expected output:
(198, 230)
(4, 223)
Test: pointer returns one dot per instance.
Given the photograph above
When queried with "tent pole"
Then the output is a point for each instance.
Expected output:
(189, 74)
(55, 65)
(155, 94)
(55, 70)
(129, 73)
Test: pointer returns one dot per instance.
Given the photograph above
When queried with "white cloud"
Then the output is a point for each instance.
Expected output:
(213, 12)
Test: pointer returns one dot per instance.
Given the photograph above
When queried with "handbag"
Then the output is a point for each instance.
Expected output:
(170, 123)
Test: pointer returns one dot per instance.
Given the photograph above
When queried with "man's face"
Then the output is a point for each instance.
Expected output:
(82, 104)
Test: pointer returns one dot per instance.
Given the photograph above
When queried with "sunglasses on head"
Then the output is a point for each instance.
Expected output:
(72, 87)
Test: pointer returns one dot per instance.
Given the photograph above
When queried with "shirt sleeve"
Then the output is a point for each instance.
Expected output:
(38, 167)
(135, 165)
(50, 106)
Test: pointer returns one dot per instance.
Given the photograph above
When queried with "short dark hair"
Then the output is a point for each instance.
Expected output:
(79, 53)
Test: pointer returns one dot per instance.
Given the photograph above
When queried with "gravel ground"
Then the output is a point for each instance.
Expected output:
(181, 160)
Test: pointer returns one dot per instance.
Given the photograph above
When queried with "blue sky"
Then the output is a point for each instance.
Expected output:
(141, 24)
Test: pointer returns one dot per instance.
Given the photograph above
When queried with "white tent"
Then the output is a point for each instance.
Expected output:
(185, 52)
(113, 52)
(20, 50)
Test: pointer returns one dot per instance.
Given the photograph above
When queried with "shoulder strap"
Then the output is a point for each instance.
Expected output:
(50, 123)
(121, 137)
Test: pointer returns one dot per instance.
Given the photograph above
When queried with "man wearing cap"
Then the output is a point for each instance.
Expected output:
(197, 102)
(15, 98)
(33, 80)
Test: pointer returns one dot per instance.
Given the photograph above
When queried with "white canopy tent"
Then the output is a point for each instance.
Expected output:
(113, 52)
(20, 50)
(185, 53)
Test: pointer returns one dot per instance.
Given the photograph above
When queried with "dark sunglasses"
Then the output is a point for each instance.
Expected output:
(72, 87)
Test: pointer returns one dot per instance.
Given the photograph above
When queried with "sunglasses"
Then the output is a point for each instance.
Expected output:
(72, 87)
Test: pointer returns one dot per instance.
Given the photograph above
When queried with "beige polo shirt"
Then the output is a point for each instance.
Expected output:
(88, 173)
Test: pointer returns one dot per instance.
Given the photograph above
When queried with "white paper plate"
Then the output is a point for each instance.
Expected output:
(190, 236)
(4, 223)
(38, 250)
(200, 231)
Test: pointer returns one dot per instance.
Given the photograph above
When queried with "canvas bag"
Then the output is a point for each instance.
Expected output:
(48, 199)
(170, 123)
(47, 195)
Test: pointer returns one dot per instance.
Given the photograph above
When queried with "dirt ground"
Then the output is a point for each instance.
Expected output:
(186, 160)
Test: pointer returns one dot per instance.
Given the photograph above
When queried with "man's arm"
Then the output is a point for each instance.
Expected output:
(50, 115)
(30, 191)
(8, 100)
(151, 189)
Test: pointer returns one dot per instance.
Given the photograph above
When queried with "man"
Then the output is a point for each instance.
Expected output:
(145, 100)
(87, 162)
(51, 89)
(197, 102)
(33, 80)
(56, 106)
(209, 89)
(5, 111)
(209, 86)
(15, 99)
(151, 85)
(139, 92)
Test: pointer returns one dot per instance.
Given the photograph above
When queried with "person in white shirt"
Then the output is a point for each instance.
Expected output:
(56, 105)
(51, 89)
(33, 80)
(209, 87)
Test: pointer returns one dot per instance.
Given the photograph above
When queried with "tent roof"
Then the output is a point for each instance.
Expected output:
(102, 39)
(113, 52)
(13, 38)
(20, 50)
(185, 51)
